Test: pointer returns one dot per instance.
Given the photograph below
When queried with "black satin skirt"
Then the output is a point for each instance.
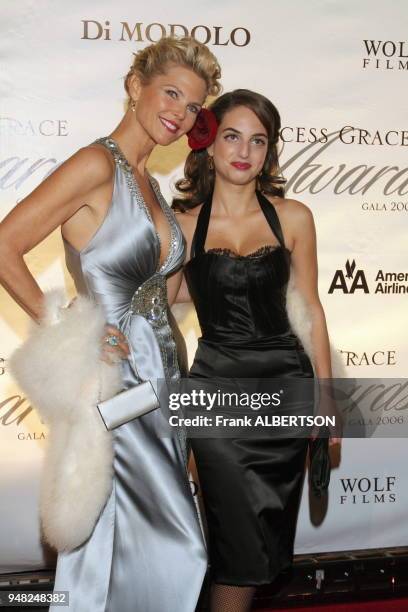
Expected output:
(251, 487)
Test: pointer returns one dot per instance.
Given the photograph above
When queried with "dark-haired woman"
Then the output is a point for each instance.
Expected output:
(244, 238)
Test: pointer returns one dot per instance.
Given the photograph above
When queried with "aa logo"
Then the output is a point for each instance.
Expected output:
(349, 281)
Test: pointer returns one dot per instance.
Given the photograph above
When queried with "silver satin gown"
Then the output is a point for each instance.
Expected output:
(146, 553)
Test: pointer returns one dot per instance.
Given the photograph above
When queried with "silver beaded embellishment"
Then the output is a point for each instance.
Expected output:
(150, 300)
(123, 163)
(175, 233)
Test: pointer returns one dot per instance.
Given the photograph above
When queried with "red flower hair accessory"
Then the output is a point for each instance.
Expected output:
(204, 131)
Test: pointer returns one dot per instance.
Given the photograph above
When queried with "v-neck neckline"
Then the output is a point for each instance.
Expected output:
(135, 189)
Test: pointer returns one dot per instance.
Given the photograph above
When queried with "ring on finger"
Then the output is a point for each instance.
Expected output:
(112, 340)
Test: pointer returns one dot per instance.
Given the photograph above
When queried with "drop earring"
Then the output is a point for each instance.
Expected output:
(133, 106)
(210, 162)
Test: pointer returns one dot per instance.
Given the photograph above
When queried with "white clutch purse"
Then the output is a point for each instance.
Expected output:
(128, 405)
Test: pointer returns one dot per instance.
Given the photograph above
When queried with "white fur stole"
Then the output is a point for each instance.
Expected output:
(59, 369)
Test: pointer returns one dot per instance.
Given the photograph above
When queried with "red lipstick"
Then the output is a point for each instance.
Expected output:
(241, 165)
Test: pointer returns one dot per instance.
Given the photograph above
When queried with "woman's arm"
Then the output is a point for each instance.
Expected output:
(51, 204)
(305, 270)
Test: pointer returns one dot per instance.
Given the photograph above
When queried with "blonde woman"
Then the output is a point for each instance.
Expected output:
(146, 551)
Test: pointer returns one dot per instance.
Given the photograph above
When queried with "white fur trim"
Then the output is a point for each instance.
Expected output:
(301, 323)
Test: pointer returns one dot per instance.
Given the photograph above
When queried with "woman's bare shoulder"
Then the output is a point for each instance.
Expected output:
(289, 205)
(295, 218)
(291, 210)
(93, 160)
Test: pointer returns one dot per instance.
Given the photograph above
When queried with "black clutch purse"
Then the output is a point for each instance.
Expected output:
(319, 465)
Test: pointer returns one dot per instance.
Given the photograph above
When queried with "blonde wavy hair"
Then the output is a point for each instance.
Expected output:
(184, 51)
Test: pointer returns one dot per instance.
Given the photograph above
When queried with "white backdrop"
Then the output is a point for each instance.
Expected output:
(337, 71)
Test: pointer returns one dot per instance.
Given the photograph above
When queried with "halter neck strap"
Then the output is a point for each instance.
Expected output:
(271, 216)
(200, 234)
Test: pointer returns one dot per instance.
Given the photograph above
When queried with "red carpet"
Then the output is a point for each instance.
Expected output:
(384, 605)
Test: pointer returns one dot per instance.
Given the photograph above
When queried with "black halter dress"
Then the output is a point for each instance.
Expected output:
(251, 486)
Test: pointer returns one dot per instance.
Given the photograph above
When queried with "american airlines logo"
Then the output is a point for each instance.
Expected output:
(351, 279)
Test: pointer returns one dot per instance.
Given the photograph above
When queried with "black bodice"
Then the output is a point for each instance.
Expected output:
(239, 298)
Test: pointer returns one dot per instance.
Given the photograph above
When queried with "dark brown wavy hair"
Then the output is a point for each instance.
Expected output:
(198, 182)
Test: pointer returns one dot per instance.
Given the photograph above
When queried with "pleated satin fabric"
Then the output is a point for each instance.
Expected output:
(251, 486)
(146, 552)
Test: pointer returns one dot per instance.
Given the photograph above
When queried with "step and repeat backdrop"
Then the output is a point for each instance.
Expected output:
(338, 72)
